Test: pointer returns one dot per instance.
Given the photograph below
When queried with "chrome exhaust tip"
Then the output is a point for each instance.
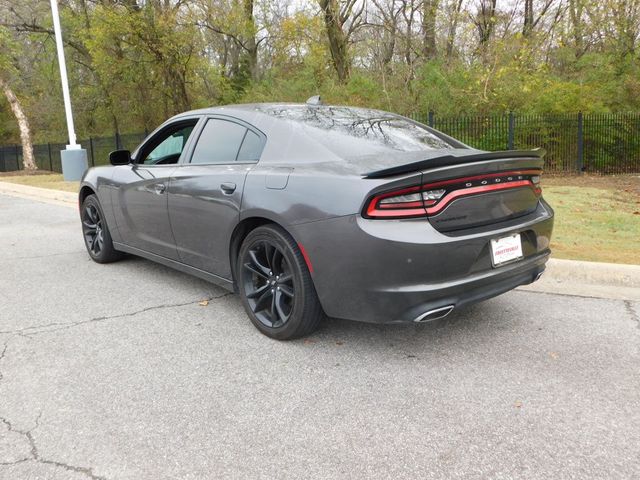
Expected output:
(434, 314)
(538, 276)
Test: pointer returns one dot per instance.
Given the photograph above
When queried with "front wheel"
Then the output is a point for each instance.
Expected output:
(96, 234)
(275, 285)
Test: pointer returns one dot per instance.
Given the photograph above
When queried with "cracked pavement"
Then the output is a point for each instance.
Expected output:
(116, 372)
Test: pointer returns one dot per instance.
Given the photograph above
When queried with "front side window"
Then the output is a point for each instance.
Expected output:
(219, 142)
(169, 148)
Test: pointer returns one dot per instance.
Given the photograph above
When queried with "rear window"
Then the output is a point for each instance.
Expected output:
(360, 131)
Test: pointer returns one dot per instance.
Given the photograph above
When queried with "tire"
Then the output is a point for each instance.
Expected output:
(95, 232)
(275, 285)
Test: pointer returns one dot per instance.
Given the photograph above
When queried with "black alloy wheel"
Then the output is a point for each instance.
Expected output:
(92, 229)
(95, 231)
(275, 284)
(268, 284)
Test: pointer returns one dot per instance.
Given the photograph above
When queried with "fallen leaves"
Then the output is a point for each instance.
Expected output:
(203, 303)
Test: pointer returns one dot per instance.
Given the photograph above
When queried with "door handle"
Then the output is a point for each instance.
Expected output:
(228, 188)
(159, 188)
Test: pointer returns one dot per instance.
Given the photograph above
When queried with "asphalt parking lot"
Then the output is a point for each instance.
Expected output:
(119, 372)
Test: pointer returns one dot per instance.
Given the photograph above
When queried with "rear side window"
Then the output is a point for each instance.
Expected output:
(251, 148)
(219, 142)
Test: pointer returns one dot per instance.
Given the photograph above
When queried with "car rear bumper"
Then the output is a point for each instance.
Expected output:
(395, 271)
(422, 299)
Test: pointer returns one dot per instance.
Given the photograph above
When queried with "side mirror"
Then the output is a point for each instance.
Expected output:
(120, 157)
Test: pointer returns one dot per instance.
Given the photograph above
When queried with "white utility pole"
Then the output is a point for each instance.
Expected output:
(63, 75)
(74, 158)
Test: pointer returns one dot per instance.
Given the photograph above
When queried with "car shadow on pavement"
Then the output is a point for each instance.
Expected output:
(476, 321)
(482, 328)
(427, 328)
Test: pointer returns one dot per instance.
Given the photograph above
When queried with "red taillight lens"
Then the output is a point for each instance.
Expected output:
(430, 199)
(406, 202)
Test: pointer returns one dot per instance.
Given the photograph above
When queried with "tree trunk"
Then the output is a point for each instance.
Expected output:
(388, 48)
(626, 18)
(575, 14)
(429, 13)
(527, 26)
(337, 38)
(453, 28)
(23, 124)
(250, 40)
(485, 23)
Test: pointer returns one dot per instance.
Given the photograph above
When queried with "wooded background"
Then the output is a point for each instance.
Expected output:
(134, 63)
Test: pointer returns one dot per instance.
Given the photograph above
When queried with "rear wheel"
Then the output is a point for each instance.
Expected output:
(96, 234)
(275, 285)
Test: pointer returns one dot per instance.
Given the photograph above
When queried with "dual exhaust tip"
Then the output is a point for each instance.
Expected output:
(442, 312)
(434, 314)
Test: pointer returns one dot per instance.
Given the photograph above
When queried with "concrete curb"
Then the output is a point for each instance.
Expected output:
(564, 277)
(40, 194)
(595, 273)
(589, 279)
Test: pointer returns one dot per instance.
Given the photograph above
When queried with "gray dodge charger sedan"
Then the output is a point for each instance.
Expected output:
(309, 210)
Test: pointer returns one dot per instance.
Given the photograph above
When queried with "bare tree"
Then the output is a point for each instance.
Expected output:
(410, 11)
(250, 43)
(626, 20)
(341, 21)
(453, 27)
(576, 12)
(23, 125)
(485, 21)
(9, 71)
(429, 15)
(530, 20)
(236, 30)
(386, 30)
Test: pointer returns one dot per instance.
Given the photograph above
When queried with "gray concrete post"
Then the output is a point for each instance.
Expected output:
(74, 164)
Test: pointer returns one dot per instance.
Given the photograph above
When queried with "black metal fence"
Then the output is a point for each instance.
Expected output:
(47, 155)
(603, 144)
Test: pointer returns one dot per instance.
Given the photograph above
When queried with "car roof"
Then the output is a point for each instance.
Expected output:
(271, 118)
(257, 106)
(297, 133)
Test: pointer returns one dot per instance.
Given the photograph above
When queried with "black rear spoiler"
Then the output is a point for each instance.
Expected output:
(446, 160)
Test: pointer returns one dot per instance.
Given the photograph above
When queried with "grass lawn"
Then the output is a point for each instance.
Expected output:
(45, 180)
(597, 218)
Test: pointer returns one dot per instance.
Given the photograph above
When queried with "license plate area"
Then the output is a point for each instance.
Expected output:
(506, 249)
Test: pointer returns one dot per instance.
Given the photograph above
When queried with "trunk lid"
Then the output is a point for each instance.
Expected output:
(466, 188)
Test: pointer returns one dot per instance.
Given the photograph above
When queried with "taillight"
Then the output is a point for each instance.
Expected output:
(430, 199)
(535, 179)
(406, 202)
